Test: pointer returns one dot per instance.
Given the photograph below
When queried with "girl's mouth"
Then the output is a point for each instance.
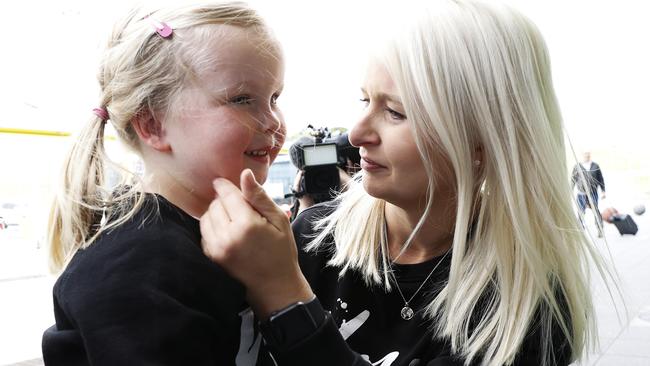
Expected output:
(260, 155)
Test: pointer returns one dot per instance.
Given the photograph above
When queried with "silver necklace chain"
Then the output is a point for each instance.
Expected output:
(407, 312)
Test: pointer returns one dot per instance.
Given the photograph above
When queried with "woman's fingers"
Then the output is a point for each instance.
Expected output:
(218, 213)
(213, 228)
(260, 201)
(235, 206)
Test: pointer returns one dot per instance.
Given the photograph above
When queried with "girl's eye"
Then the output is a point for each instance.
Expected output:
(395, 115)
(241, 99)
(365, 101)
(274, 99)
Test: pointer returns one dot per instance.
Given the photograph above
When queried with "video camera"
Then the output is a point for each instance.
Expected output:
(319, 156)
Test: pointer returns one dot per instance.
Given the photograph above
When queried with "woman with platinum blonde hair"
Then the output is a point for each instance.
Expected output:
(458, 244)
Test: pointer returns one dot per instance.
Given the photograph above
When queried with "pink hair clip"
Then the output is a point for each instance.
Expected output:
(162, 28)
(101, 113)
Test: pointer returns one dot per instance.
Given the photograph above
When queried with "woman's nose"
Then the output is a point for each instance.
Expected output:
(363, 132)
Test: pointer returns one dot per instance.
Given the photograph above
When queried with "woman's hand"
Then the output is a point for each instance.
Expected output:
(250, 237)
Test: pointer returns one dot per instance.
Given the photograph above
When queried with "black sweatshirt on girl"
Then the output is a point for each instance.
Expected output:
(145, 294)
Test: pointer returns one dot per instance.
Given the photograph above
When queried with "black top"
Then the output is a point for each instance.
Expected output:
(369, 317)
(145, 294)
(593, 175)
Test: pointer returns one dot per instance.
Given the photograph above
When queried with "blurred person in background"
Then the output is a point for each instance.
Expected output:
(588, 177)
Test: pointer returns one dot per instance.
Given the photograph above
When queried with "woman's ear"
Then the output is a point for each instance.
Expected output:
(151, 131)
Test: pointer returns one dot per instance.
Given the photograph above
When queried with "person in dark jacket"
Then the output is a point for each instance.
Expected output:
(457, 244)
(588, 177)
(192, 90)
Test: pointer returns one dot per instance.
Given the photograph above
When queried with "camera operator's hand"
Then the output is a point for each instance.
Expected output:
(344, 178)
(250, 237)
(305, 200)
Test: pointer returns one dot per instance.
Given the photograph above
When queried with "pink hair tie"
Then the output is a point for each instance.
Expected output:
(101, 113)
(163, 29)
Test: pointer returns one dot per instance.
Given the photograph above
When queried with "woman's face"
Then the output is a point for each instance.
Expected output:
(392, 166)
(228, 121)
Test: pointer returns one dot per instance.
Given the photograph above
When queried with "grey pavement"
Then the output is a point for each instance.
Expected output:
(26, 306)
(624, 331)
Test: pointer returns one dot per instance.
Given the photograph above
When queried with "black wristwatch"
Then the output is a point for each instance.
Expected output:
(288, 326)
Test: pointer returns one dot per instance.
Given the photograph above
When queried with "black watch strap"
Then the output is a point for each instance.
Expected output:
(288, 326)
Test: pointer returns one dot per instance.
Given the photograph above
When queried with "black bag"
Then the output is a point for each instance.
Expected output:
(625, 224)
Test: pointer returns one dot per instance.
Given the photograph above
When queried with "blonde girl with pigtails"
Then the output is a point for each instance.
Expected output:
(193, 91)
(458, 244)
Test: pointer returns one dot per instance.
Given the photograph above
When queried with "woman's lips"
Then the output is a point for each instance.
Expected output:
(369, 165)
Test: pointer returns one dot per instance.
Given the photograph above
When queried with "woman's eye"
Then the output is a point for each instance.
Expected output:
(241, 99)
(365, 101)
(395, 115)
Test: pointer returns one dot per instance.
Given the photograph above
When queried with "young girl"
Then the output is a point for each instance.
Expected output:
(193, 91)
(459, 245)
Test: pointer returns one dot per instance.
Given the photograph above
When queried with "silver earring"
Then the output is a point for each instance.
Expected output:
(477, 162)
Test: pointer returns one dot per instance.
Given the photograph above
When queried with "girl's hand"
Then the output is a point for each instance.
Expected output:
(250, 237)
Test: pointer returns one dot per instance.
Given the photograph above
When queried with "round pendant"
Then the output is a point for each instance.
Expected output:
(407, 313)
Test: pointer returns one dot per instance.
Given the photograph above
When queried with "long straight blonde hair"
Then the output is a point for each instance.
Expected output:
(472, 74)
(141, 72)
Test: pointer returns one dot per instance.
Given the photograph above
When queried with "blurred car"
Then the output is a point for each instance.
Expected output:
(280, 180)
(13, 213)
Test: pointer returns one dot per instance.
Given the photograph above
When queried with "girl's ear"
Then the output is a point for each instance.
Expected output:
(151, 131)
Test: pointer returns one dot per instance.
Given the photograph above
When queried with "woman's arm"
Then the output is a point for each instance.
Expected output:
(248, 235)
